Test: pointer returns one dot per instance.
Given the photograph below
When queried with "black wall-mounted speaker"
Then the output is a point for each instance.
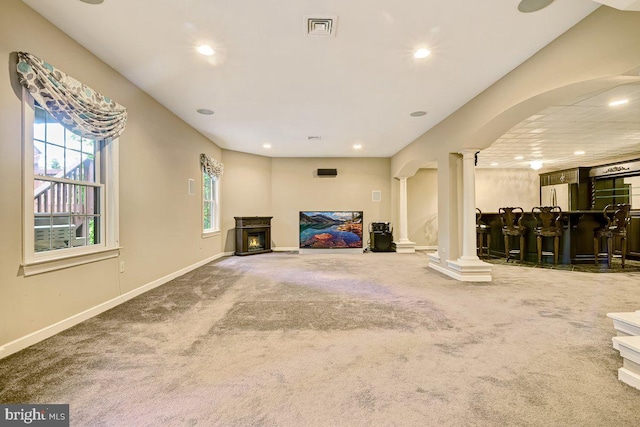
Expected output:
(327, 172)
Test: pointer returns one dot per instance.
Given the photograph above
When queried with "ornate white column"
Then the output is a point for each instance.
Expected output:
(404, 245)
(469, 251)
(468, 267)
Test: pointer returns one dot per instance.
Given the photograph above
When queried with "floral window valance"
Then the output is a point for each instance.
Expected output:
(76, 106)
(211, 166)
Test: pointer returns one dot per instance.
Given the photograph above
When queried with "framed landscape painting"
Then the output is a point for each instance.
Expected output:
(330, 229)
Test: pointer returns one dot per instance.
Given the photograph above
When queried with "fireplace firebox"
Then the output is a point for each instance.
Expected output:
(253, 235)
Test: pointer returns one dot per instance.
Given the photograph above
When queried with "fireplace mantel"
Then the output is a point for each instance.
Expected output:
(253, 235)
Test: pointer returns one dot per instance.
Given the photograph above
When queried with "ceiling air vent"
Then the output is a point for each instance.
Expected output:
(320, 25)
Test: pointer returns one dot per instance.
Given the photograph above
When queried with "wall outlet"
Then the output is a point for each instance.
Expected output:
(121, 266)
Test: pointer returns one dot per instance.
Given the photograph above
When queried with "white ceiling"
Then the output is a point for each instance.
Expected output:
(586, 125)
(269, 82)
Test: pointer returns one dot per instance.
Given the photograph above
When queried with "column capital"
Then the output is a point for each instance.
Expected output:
(469, 152)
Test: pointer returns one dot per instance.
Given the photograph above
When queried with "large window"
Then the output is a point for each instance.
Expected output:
(67, 199)
(70, 185)
(210, 211)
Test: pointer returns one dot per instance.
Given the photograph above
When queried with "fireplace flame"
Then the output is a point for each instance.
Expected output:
(254, 243)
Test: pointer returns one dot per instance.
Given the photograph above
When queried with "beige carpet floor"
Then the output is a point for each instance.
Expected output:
(376, 339)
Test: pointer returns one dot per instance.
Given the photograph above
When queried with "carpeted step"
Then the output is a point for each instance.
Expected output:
(625, 324)
(630, 351)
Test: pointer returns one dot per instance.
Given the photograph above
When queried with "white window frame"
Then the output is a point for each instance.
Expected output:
(215, 186)
(108, 247)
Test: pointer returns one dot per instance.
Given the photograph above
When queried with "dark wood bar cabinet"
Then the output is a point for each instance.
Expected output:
(253, 235)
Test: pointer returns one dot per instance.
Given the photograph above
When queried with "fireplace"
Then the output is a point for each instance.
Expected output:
(253, 235)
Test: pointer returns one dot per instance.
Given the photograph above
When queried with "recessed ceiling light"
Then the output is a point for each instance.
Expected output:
(421, 53)
(205, 50)
(205, 111)
(578, 153)
(495, 164)
(519, 157)
(527, 6)
(535, 164)
(418, 114)
(266, 145)
(92, 1)
(618, 102)
(357, 146)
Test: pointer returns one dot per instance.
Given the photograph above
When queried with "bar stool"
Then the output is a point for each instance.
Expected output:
(548, 224)
(617, 216)
(511, 219)
(482, 230)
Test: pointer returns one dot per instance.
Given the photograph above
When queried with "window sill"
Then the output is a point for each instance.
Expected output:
(44, 266)
(207, 234)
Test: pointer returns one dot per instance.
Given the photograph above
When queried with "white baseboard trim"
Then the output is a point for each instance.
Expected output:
(286, 249)
(352, 251)
(426, 248)
(49, 331)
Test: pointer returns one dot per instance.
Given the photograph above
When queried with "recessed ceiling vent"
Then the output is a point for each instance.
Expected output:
(324, 25)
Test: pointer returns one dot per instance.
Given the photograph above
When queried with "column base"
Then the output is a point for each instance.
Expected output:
(405, 247)
(630, 351)
(469, 270)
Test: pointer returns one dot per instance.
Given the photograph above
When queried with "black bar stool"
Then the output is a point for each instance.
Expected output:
(482, 230)
(548, 224)
(618, 219)
(511, 219)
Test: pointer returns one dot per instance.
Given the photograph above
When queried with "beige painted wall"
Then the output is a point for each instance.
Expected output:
(296, 188)
(498, 188)
(422, 208)
(160, 224)
(246, 191)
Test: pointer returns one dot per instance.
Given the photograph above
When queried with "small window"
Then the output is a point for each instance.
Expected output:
(210, 208)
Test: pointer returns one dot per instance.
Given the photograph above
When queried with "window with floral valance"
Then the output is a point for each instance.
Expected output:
(70, 144)
(211, 174)
(74, 105)
(211, 166)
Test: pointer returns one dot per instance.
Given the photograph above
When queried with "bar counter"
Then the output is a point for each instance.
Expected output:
(576, 243)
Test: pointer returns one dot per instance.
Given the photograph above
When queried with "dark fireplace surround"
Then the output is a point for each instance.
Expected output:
(253, 235)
